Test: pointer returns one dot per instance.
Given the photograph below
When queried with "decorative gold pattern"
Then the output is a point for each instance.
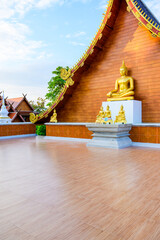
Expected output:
(33, 118)
(137, 15)
(149, 26)
(65, 74)
(128, 9)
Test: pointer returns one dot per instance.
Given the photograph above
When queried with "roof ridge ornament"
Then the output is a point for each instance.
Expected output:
(142, 14)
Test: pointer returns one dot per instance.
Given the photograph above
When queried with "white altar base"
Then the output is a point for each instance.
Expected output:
(132, 108)
(110, 135)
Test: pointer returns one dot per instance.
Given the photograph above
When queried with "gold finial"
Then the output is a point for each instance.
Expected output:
(123, 65)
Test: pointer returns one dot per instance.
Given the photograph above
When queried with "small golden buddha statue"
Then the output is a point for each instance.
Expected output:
(54, 117)
(121, 116)
(100, 116)
(124, 87)
(107, 116)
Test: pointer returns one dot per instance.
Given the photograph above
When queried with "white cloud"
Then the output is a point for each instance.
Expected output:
(33, 92)
(77, 44)
(76, 35)
(14, 44)
(47, 3)
(102, 4)
(12, 8)
(68, 36)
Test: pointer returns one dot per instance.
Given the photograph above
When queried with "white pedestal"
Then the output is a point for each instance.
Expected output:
(110, 135)
(5, 120)
(132, 108)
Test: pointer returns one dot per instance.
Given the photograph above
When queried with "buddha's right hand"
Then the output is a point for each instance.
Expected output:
(109, 94)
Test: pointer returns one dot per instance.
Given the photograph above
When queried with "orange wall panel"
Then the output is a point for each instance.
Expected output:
(17, 129)
(70, 131)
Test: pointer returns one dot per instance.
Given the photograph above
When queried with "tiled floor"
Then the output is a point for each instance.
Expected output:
(65, 191)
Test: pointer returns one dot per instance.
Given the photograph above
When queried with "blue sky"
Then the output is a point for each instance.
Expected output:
(36, 36)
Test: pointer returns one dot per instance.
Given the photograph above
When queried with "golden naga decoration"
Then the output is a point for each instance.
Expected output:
(33, 118)
(67, 76)
(54, 117)
(121, 116)
(100, 116)
(107, 116)
(124, 87)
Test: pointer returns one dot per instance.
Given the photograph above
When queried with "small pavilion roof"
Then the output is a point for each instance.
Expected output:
(14, 115)
(17, 101)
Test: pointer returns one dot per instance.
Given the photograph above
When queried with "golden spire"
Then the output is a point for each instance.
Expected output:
(123, 65)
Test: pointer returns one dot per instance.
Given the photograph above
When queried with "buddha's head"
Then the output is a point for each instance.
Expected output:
(54, 110)
(107, 108)
(101, 109)
(121, 108)
(123, 69)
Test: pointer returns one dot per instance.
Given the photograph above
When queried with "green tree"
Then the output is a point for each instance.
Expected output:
(55, 85)
(39, 105)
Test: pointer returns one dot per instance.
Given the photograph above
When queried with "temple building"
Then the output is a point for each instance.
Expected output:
(18, 108)
(128, 32)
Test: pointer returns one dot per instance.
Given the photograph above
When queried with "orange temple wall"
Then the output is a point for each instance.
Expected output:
(141, 53)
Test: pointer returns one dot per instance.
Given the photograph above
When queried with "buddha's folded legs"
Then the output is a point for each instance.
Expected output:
(125, 94)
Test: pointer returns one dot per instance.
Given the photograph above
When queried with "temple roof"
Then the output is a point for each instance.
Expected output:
(145, 9)
(144, 17)
(14, 115)
(17, 101)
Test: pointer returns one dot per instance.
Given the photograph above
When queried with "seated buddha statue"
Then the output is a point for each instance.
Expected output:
(121, 116)
(107, 116)
(124, 87)
(54, 117)
(107, 113)
(100, 116)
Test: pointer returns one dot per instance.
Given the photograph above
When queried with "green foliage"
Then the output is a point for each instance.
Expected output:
(41, 130)
(55, 85)
(39, 105)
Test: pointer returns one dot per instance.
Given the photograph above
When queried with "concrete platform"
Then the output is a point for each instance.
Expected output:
(110, 136)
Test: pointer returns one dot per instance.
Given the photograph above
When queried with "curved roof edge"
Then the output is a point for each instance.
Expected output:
(80, 63)
(144, 17)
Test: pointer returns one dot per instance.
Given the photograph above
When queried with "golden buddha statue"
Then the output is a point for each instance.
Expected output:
(54, 117)
(124, 87)
(107, 116)
(121, 116)
(100, 116)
